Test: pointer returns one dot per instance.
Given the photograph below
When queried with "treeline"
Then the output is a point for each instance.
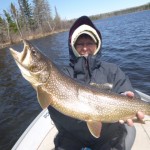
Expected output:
(121, 12)
(33, 20)
(30, 20)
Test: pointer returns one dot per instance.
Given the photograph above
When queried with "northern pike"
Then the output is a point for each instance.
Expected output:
(86, 103)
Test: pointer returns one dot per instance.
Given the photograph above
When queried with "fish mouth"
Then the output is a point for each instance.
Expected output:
(22, 59)
(20, 56)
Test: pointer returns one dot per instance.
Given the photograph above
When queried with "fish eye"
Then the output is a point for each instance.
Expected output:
(33, 52)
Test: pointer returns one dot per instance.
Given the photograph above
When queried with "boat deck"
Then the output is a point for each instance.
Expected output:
(142, 141)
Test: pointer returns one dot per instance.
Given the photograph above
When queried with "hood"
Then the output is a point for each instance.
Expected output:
(83, 25)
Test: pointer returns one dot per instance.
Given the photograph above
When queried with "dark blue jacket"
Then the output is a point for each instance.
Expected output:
(87, 70)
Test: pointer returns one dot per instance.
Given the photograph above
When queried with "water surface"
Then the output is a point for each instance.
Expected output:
(126, 42)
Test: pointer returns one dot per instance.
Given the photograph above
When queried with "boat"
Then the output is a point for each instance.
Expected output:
(41, 132)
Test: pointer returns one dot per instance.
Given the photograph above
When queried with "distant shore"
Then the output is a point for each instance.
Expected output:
(121, 12)
(32, 38)
(93, 17)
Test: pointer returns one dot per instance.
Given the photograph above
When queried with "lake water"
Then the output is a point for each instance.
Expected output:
(126, 42)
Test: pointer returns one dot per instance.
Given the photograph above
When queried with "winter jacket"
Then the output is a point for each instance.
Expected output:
(88, 70)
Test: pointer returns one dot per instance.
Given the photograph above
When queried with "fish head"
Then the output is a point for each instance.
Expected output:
(33, 65)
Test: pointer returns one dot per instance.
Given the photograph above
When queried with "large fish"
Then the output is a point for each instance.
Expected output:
(71, 98)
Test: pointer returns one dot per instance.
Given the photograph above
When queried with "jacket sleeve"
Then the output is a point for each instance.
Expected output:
(121, 82)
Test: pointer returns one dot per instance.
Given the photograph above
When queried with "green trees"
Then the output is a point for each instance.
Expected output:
(2, 30)
(27, 20)
(26, 15)
(15, 18)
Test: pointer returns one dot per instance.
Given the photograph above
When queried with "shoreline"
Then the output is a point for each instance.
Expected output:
(32, 37)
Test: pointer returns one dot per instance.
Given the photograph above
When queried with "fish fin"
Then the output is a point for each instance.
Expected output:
(105, 86)
(43, 97)
(94, 128)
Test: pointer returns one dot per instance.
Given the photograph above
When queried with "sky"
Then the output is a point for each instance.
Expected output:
(70, 9)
